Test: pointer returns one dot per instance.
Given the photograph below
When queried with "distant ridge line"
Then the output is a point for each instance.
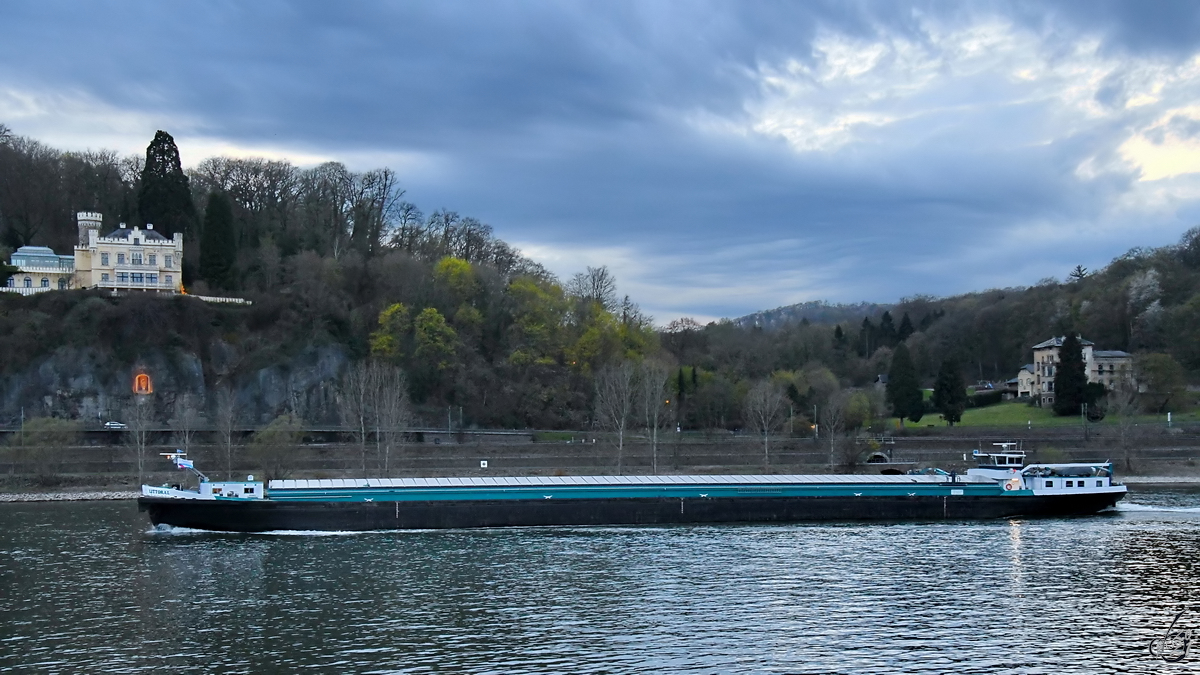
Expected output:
(816, 311)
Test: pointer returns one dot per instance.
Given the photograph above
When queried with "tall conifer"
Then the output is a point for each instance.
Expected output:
(903, 390)
(887, 330)
(164, 199)
(1070, 377)
(949, 394)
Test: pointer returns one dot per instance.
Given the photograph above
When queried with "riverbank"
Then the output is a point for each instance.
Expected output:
(67, 496)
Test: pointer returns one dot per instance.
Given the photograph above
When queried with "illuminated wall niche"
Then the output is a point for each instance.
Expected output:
(142, 384)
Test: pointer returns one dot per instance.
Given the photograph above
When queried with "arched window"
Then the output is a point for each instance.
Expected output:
(28, 282)
(142, 384)
(62, 284)
(45, 282)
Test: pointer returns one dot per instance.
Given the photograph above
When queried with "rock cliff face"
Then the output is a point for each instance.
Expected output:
(86, 384)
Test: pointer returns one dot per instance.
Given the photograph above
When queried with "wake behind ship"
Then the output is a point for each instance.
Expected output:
(999, 488)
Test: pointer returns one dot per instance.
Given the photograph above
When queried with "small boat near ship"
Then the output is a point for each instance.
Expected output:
(1002, 486)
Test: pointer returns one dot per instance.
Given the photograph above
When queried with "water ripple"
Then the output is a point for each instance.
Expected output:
(86, 588)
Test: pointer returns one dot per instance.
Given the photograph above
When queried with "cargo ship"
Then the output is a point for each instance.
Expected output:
(1002, 486)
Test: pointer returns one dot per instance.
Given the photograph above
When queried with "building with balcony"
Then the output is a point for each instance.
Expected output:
(124, 260)
(127, 259)
(39, 270)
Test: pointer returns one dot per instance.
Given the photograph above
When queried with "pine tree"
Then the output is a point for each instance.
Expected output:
(906, 328)
(903, 390)
(949, 394)
(218, 250)
(887, 330)
(1070, 377)
(164, 199)
(867, 338)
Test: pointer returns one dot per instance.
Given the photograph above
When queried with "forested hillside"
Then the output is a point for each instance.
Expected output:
(341, 268)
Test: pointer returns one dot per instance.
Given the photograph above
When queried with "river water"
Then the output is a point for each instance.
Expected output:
(89, 587)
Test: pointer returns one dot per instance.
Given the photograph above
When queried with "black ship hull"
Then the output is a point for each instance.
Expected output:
(268, 515)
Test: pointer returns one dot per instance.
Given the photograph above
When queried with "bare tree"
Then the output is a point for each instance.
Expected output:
(138, 418)
(597, 284)
(185, 419)
(614, 403)
(653, 382)
(354, 404)
(391, 410)
(764, 412)
(274, 446)
(407, 226)
(226, 423)
(833, 421)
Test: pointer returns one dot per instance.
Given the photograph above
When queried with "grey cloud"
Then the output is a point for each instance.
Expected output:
(567, 124)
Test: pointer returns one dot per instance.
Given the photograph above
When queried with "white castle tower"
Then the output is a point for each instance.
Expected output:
(88, 220)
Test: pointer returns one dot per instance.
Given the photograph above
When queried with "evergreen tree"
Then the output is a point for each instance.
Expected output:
(1070, 377)
(839, 338)
(949, 394)
(218, 250)
(164, 199)
(887, 330)
(906, 328)
(867, 338)
(903, 390)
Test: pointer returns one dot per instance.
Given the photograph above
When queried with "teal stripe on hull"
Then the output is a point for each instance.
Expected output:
(633, 492)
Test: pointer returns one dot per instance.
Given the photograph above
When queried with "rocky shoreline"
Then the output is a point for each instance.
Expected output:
(92, 495)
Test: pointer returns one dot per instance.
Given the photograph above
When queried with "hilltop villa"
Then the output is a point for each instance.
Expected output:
(126, 259)
(1106, 367)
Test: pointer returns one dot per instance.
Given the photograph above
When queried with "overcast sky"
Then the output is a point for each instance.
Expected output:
(720, 158)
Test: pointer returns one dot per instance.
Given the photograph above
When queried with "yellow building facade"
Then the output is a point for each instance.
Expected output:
(127, 259)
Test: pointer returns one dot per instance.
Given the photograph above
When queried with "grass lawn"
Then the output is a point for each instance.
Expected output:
(1018, 414)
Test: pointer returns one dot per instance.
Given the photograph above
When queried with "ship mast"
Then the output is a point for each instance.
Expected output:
(182, 462)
